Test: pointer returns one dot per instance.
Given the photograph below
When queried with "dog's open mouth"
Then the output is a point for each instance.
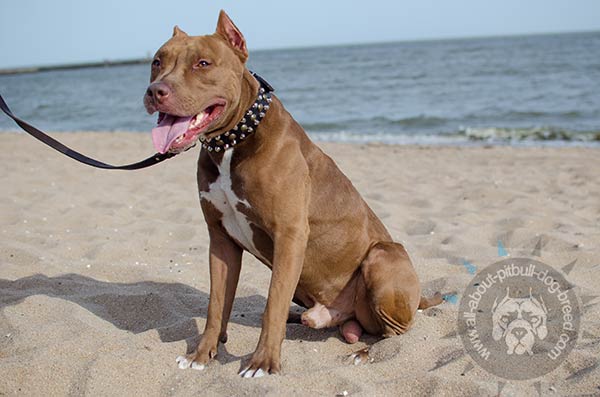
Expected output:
(175, 134)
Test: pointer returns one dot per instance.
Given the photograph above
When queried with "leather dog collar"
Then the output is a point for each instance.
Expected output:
(247, 126)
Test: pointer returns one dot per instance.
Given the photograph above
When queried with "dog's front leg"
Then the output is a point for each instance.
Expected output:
(225, 263)
(289, 250)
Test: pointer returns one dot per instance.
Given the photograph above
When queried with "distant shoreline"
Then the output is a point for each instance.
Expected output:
(138, 61)
(73, 66)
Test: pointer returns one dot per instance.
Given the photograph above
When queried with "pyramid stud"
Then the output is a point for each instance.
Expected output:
(217, 149)
(232, 137)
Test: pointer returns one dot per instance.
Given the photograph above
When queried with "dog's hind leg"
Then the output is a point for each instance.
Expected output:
(388, 291)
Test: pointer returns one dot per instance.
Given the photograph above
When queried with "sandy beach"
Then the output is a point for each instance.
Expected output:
(104, 274)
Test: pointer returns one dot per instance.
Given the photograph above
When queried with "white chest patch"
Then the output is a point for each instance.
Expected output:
(221, 195)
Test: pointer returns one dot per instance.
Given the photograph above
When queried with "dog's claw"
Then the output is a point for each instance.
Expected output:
(251, 373)
(244, 372)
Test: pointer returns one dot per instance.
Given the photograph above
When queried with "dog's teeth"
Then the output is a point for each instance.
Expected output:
(180, 138)
(199, 118)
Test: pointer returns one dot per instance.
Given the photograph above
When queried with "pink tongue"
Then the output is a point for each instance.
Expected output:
(169, 129)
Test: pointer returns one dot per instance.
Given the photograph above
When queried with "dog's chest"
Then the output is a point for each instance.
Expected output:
(221, 195)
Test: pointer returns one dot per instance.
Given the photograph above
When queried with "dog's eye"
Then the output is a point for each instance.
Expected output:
(202, 64)
(156, 63)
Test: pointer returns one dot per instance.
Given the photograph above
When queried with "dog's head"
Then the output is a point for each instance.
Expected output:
(518, 321)
(196, 85)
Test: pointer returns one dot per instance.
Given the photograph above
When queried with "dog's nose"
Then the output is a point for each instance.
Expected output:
(519, 332)
(158, 91)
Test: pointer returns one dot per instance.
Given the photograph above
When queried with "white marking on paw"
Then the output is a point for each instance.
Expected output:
(197, 366)
(249, 374)
(259, 373)
(182, 362)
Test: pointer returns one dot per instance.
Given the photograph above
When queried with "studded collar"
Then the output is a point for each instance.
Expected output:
(247, 125)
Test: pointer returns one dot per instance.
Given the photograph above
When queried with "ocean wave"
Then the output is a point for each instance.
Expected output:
(419, 121)
(527, 134)
(471, 135)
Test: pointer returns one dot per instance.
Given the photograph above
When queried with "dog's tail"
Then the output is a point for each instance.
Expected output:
(435, 300)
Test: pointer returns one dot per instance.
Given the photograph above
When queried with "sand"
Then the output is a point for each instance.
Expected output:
(104, 274)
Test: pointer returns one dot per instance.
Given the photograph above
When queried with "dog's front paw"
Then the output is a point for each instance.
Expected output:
(261, 364)
(198, 359)
(189, 361)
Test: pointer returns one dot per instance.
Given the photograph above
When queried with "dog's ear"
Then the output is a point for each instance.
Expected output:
(541, 330)
(495, 306)
(227, 29)
(497, 330)
(540, 303)
(502, 302)
(178, 32)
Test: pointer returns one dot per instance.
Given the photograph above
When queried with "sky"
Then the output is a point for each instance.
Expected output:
(42, 32)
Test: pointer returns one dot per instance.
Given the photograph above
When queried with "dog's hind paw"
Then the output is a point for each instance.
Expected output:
(185, 363)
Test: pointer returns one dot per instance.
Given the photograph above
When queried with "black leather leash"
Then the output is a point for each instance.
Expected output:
(54, 144)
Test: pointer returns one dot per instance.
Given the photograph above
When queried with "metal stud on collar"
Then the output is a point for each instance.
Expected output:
(247, 125)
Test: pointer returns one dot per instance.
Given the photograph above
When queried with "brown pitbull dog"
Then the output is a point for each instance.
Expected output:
(267, 189)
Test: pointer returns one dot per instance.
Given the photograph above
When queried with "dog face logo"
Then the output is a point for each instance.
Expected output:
(518, 321)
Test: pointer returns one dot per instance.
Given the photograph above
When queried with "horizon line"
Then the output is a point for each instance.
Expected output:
(141, 60)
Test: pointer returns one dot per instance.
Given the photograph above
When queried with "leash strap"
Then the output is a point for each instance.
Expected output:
(54, 144)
